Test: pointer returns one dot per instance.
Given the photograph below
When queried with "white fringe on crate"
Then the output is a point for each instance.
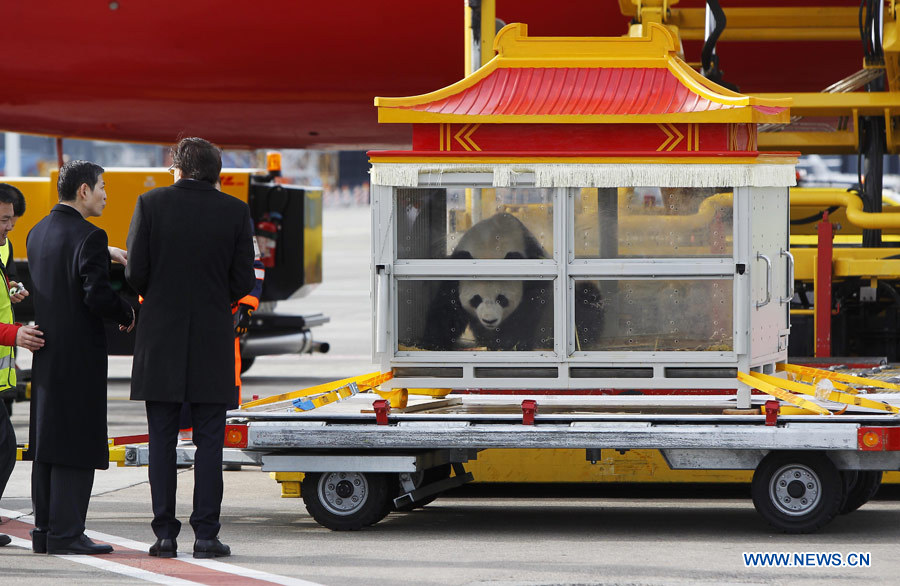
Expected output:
(591, 175)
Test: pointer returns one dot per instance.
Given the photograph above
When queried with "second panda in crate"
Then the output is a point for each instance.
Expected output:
(502, 314)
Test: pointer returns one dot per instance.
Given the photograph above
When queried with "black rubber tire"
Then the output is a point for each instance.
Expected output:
(328, 497)
(429, 476)
(848, 479)
(862, 491)
(246, 363)
(784, 483)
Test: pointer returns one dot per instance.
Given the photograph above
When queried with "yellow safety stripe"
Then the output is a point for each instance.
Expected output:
(836, 376)
(364, 382)
(7, 353)
(836, 396)
(781, 394)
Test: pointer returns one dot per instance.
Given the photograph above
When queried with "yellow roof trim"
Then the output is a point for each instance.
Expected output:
(691, 83)
(453, 89)
(513, 42)
(716, 93)
(743, 115)
(782, 159)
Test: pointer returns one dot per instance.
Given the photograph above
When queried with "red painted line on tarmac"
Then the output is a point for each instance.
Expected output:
(172, 567)
(130, 439)
(16, 528)
(176, 568)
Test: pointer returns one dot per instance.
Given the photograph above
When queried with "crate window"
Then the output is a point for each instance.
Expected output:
(486, 223)
(653, 222)
(475, 315)
(653, 315)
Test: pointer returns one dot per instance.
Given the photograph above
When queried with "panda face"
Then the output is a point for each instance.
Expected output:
(490, 302)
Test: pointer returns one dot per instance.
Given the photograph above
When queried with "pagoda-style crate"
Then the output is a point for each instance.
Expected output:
(663, 256)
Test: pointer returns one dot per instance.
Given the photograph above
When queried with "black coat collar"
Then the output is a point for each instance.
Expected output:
(194, 184)
(67, 209)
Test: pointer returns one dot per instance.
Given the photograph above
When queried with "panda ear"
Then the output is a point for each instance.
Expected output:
(461, 254)
(514, 254)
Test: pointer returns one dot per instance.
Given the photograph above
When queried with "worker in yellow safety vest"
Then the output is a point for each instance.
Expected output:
(12, 205)
(6, 249)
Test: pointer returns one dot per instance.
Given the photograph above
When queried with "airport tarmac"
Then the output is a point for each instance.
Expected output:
(476, 535)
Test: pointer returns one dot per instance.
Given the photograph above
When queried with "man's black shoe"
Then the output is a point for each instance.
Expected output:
(38, 540)
(210, 548)
(81, 545)
(4, 540)
(164, 548)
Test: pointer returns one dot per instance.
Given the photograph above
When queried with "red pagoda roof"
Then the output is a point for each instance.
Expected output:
(553, 80)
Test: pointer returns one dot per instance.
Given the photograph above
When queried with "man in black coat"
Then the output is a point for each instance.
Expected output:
(69, 262)
(190, 255)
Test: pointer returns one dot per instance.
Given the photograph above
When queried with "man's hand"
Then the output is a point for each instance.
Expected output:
(118, 255)
(130, 326)
(30, 338)
(243, 319)
(20, 294)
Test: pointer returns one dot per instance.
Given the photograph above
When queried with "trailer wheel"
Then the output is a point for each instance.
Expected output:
(346, 501)
(424, 478)
(246, 363)
(865, 487)
(797, 492)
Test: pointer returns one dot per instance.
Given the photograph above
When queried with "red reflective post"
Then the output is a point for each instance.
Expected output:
(822, 317)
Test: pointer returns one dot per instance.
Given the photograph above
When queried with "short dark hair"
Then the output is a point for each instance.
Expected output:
(11, 194)
(73, 174)
(198, 159)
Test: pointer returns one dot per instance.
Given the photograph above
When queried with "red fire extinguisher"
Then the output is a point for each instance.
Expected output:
(267, 230)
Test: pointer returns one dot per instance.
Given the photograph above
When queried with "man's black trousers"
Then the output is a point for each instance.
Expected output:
(7, 447)
(60, 495)
(208, 422)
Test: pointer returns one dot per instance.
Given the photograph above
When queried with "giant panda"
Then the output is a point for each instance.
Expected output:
(501, 314)
(508, 315)
(500, 236)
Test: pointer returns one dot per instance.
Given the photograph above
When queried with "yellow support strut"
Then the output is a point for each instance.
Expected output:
(781, 394)
(817, 374)
(322, 399)
(364, 382)
(835, 396)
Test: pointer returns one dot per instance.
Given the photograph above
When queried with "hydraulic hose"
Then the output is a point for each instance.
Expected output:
(849, 201)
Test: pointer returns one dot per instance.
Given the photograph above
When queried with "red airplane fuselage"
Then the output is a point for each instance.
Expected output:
(285, 73)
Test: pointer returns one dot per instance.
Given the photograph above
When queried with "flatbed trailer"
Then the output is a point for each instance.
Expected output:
(548, 245)
(362, 460)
